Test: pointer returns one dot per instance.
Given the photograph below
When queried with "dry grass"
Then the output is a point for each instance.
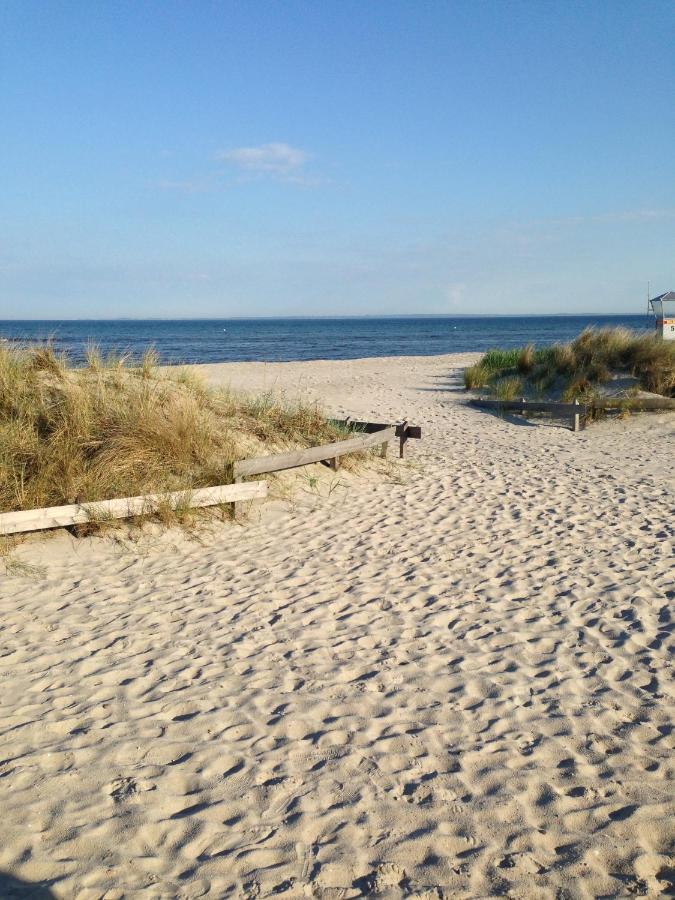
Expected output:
(526, 359)
(507, 388)
(578, 368)
(475, 377)
(113, 429)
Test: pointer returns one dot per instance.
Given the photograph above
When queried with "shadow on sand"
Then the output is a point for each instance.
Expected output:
(12, 888)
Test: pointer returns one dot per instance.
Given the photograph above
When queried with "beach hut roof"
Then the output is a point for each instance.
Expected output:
(669, 295)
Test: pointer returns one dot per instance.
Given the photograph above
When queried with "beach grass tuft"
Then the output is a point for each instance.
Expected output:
(475, 377)
(507, 388)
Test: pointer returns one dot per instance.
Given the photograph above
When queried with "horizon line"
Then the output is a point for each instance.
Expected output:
(330, 317)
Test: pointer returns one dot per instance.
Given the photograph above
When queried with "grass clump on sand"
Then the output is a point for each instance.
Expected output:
(115, 429)
(578, 369)
(475, 377)
(507, 388)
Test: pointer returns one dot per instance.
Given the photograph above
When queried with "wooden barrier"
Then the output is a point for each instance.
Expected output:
(328, 452)
(125, 507)
(573, 410)
(370, 434)
(638, 404)
(403, 431)
(578, 410)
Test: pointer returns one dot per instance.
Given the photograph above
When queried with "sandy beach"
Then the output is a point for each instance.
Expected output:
(447, 677)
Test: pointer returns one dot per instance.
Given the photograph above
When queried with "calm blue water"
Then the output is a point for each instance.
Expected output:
(275, 340)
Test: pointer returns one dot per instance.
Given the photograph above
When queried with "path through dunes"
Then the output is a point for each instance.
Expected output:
(453, 681)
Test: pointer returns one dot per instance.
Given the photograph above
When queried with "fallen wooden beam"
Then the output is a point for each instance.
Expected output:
(280, 461)
(125, 507)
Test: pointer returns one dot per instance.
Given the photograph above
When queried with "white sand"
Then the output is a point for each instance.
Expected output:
(451, 680)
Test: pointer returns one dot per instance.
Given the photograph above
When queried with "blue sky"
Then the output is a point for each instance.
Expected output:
(260, 158)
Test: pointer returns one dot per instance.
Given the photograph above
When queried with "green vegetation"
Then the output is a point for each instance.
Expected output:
(475, 377)
(500, 360)
(507, 388)
(114, 429)
(578, 369)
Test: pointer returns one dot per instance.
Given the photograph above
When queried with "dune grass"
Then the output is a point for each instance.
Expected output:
(117, 429)
(507, 388)
(578, 369)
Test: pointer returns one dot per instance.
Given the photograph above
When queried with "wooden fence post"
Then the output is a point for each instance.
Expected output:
(575, 418)
(238, 507)
(403, 438)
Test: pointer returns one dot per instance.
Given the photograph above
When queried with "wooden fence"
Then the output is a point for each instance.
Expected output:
(577, 411)
(330, 453)
(125, 507)
(637, 404)
(370, 434)
(573, 410)
(403, 431)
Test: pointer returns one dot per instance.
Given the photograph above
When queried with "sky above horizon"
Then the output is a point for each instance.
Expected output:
(335, 158)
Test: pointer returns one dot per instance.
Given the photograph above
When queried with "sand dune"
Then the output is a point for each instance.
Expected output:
(448, 679)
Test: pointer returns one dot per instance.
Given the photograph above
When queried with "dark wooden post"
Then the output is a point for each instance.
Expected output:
(403, 437)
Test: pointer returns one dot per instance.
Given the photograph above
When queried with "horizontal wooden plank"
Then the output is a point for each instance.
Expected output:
(637, 403)
(531, 406)
(412, 431)
(280, 461)
(123, 507)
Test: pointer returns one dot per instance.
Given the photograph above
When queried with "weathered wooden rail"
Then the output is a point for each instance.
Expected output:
(370, 434)
(403, 431)
(637, 404)
(126, 507)
(326, 453)
(576, 411)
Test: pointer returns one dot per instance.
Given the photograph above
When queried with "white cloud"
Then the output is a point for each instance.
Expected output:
(276, 159)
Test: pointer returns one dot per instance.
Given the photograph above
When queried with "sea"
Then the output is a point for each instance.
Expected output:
(179, 341)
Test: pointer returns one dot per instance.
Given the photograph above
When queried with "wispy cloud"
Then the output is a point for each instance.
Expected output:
(276, 160)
